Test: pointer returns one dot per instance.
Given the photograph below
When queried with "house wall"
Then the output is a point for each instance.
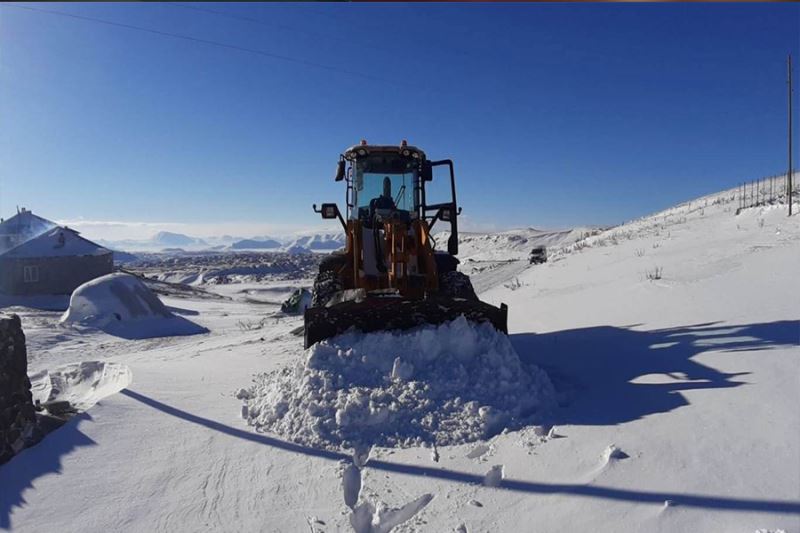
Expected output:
(57, 275)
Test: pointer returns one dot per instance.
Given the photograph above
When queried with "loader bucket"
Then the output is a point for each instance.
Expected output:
(387, 314)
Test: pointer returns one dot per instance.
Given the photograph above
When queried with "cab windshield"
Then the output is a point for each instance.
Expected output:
(371, 173)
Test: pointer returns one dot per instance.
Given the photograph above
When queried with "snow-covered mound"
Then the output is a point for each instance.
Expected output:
(448, 384)
(81, 384)
(120, 304)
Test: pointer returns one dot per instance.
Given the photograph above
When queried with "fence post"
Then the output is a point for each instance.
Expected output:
(789, 176)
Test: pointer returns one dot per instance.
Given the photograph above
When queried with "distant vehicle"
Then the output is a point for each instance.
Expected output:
(538, 255)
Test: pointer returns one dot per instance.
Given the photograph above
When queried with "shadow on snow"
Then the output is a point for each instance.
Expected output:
(594, 368)
(18, 475)
(594, 491)
(598, 364)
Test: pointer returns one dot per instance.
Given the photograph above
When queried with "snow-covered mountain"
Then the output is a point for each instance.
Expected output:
(255, 244)
(160, 241)
(168, 239)
(319, 241)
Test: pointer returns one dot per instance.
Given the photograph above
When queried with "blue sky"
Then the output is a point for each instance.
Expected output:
(555, 115)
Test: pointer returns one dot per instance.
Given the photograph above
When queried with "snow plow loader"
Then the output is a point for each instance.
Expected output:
(391, 274)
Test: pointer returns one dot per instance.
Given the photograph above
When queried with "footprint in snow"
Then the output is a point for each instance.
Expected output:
(478, 451)
(609, 458)
(361, 455)
(494, 476)
(351, 485)
(351, 475)
(612, 454)
(435, 454)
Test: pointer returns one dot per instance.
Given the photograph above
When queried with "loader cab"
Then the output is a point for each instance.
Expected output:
(370, 168)
(366, 169)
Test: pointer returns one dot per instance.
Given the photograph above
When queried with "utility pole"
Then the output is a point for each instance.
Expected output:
(790, 176)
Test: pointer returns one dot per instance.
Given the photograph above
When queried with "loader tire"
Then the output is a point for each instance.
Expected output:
(326, 285)
(456, 285)
(333, 262)
(445, 262)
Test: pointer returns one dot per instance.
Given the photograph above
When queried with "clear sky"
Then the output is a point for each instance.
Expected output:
(555, 115)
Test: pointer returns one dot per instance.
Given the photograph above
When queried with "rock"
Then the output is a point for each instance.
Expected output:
(18, 425)
(59, 408)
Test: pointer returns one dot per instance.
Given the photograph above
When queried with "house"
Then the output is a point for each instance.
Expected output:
(39, 257)
(22, 227)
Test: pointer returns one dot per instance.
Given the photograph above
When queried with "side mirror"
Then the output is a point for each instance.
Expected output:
(426, 171)
(452, 244)
(329, 211)
(445, 214)
(340, 170)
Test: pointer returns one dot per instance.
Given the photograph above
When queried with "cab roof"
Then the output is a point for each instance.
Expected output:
(356, 150)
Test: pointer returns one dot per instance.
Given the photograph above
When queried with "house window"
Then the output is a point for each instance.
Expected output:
(31, 274)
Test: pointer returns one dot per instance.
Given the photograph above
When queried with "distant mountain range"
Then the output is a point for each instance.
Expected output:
(168, 239)
(165, 240)
(320, 241)
(254, 244)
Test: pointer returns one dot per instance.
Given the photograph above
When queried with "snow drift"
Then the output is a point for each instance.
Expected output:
(81, 384)
(448, 384)
(120, 304)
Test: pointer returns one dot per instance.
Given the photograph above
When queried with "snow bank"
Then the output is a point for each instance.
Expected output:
(448, 384)
(81, 384)
(120, 304)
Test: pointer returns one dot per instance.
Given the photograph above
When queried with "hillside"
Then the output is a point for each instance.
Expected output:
(318, 241)
(671, 343)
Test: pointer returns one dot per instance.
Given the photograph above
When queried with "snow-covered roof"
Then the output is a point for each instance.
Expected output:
(25, 222)
(20, 228)
(56, 242)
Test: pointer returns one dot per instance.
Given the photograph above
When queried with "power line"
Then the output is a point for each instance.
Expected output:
(280, 26)
(295, 29)
(271, 55)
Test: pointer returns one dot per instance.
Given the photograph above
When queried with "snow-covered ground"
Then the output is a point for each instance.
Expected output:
(672, 343)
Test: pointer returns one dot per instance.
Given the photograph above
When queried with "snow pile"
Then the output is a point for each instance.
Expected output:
(120, 304)
(81, 384)
(448, 384)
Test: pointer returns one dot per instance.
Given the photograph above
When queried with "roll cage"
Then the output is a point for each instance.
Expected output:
(391, 159)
